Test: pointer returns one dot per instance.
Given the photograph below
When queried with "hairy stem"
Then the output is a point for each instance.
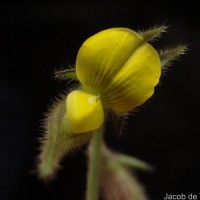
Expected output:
(94, 165)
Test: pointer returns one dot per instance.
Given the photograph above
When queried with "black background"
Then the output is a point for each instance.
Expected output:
(37, 38)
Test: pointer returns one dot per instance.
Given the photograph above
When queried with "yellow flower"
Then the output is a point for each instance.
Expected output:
(118, 65)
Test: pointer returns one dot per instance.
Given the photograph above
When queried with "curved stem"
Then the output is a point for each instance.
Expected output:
(94, 165)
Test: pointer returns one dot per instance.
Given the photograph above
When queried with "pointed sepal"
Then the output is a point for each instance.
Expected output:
(58, 140)
(66, 74)
(153, 33)
(169, 55)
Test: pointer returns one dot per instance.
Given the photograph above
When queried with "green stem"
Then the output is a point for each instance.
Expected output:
(94, 165)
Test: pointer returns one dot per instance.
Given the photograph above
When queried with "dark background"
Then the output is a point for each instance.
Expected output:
(37, 38)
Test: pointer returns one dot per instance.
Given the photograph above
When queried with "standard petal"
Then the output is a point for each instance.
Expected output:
(135, 81)
(102, 56)
(84, 111)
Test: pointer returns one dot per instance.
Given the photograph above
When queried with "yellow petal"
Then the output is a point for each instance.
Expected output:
(135, 81)
(84, 111)
(102, 55)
